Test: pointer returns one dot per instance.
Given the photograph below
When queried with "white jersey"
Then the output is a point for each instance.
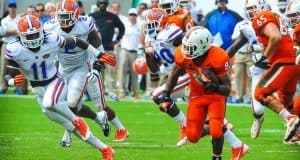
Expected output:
(36, 66)
(163, 48)
(73, 57)
(244, 27)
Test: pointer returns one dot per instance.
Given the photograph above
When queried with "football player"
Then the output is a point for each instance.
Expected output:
(34, 54)
(160, 43)
(75, 63)
(177, 15)
(281, 77)
(293, 15)
(161, 58)
(209, 85)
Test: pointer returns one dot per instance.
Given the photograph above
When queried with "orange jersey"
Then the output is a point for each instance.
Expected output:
(285, 47)
(296, 35)
(182, 19)
(217, 60)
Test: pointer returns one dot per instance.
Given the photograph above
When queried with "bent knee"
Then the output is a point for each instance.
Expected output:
(193, 135)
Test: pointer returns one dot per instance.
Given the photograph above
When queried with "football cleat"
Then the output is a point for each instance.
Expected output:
(107, 153)
(292, 124)
(102, 121)
(182, 138)
(256, 127)
(82, 127)
(294, 140)
(66, 139)
(121, 135)
(239, 152)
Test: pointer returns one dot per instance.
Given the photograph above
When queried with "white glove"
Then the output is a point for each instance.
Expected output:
(93, 76)
(298, 59)
(256, 47)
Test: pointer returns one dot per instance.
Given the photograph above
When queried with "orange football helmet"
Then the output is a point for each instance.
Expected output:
(156, 20)
(67, 13)
(140, 66)
(30, 31)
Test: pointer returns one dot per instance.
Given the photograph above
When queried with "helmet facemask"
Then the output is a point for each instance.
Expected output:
(33, 38)
(66, 18)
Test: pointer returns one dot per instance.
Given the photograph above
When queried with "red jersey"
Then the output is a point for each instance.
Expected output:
(182, 19)
(285, 47)
(217, 61)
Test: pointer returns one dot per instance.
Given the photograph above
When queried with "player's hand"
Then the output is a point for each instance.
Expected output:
(19, 80)
(107, 59)
(298, 59)
(93, 76)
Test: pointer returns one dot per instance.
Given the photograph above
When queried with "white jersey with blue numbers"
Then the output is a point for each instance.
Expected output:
(36, 66)
(163, 48)
(73, 57)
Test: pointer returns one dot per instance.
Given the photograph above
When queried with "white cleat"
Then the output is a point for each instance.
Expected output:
(183, 137)
(292, 125)
(256, 127)
(66, 139)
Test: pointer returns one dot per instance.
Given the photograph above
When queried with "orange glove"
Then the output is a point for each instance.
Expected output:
(19, 80)
(108, 59)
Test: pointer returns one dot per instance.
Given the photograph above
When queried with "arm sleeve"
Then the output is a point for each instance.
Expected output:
(120, 25)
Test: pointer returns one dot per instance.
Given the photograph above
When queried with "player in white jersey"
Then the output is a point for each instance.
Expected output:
(76, 63)
(34, 55)
(247, 38)
(160, 43)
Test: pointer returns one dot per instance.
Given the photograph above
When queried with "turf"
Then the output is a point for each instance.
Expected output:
(26, 134)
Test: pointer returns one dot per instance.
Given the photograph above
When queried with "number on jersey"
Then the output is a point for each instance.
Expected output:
(42, 67)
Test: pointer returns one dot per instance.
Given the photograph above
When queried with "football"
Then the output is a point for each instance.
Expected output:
(140, 66)
(208, 75)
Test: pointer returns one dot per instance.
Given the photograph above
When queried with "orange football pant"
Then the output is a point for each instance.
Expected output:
(297, 106)
(199, 107)
(282, 78)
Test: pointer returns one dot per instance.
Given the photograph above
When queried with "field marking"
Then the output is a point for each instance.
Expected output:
(110, 100)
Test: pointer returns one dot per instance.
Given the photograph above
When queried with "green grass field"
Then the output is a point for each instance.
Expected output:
(26, 134)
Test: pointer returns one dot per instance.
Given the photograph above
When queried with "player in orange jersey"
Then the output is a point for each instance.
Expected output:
(177, 15)
(282, 76)
(293, 15)
(209, 85)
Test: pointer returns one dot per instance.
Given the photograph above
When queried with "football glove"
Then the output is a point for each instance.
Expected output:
(19, 80)
(107, 59)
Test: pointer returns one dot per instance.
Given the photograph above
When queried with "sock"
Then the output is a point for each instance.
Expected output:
(232, 139)
(217, 157)
(92, 140)
(63, 109)
(116, 122)
(284, 114)
(180, 118)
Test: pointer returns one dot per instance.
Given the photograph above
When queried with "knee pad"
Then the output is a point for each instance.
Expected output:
(110, 113)
(216, 128)
(193, 135)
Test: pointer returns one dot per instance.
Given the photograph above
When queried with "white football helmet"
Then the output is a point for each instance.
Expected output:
(171, 6)
(185, 3)
(293, 12)
(282, 5)
(196, 42)
(253, 7)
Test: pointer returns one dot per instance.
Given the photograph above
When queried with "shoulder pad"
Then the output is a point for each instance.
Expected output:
(170, 33)
(51, 25)
(13, 49)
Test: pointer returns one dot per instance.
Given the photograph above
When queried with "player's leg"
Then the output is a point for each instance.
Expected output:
(196, 115)
(216, 112)
(239, 68)
(257, 108)
(172, 109)
(96, 92)
(274, 79)
(69, 126)
(54, 100)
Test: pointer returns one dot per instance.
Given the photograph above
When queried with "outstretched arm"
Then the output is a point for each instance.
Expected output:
(172, 79)
(237, 44)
